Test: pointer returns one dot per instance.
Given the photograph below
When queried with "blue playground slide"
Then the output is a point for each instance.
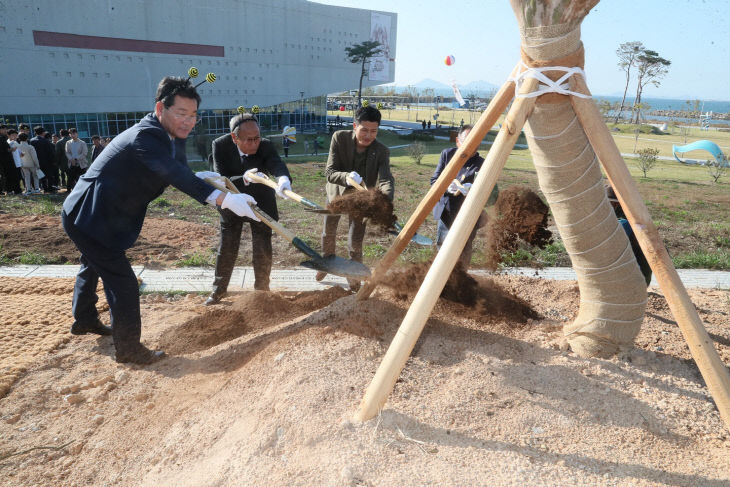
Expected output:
(706, 145)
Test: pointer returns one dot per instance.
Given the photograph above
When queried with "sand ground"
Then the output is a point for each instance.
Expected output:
(262, 389)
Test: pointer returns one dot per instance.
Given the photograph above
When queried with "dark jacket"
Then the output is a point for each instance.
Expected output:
(449, 205)
(109, 202)
(341, 160)
(44, 150)
(61, 158)
(227, 162)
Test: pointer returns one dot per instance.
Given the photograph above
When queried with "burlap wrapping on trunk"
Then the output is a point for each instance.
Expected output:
(612, 289)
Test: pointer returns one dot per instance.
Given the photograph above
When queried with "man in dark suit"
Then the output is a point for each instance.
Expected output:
(46, 159)
(450, 203)
(235, 154)
(357, 154)
(62, 159)
(104, 213)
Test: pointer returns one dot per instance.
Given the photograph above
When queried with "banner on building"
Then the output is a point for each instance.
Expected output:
(380, 31)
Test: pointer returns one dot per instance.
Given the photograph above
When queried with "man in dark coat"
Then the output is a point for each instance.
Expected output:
(62, 159)
(46, 159)
(235, 154)
(357, 154)
(450, 203)
(104, 213)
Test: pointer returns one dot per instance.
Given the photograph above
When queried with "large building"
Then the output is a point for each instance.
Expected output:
(96, 65)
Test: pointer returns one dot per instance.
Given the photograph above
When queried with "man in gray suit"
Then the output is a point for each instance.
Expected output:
(355, 153)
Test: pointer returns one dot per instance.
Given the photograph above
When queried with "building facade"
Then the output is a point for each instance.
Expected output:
(96, 65)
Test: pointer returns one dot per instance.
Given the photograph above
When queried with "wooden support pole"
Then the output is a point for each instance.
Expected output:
(701, 346)
(420, 309)
(486, 121)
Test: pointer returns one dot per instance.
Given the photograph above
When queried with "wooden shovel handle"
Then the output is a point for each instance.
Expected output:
(355, 185)
(229, 187)
(271, 184)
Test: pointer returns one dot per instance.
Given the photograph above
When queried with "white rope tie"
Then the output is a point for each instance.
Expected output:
(546, 85)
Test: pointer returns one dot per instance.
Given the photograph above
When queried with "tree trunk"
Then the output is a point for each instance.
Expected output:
(359, 90)
(612, 288)
(626, 88)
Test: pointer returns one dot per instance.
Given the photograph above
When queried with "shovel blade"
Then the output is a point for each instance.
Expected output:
(416, 238)
(338, 266)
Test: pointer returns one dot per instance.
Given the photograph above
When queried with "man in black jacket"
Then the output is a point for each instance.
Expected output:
(104, 213)
(235, 154)
(46, 159)
(61, 159)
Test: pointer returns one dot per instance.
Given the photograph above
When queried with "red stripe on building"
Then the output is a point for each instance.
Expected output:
(57, 39)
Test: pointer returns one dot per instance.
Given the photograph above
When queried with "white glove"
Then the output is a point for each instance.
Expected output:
(207, 174)
(238, 203)
(355, 177)
(465, 189)
(453, 187)
(248, 181)
(284, 183)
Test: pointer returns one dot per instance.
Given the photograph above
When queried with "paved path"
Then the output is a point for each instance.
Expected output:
(199, 279)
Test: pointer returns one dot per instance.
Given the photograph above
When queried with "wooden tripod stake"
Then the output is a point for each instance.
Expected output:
(713, 370)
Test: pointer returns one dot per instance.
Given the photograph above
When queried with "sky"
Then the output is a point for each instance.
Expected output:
(484, 38)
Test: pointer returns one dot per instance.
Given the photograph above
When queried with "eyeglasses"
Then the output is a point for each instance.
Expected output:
(196, 119)
(251, 140)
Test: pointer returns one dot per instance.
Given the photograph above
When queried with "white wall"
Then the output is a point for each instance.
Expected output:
(274, 49)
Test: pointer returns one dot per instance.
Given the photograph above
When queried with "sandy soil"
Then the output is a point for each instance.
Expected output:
(261, 390)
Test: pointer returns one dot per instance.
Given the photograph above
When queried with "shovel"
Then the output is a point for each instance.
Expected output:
(417, 238)
(310, 205)
(330, 264)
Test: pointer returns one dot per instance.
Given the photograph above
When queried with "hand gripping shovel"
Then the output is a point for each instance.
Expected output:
(309, 205)
(330, 264)
(417, 238)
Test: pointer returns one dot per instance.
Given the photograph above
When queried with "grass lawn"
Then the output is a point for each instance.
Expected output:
(689, 210)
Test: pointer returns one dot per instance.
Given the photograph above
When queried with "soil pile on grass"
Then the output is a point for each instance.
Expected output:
(371, 205)
(520, 216)
(251, 311)
(483, 295)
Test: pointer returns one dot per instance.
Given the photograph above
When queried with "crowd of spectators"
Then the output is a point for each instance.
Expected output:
(43, 162)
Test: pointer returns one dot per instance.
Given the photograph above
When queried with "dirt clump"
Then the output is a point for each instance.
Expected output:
(520, 216)
(483, 295)
(372, 205)
(249, 311)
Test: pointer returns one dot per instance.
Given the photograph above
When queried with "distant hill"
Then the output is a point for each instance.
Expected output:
(479, 88)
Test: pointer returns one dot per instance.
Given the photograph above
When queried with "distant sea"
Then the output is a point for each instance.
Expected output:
(672, 104)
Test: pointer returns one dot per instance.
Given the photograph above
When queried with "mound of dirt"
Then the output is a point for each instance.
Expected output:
(249, 312)
(520, 215)
(484, 295)
(372, 205)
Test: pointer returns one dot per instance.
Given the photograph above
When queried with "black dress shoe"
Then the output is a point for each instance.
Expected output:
(140, 355)
(96, 327)
(214, 298)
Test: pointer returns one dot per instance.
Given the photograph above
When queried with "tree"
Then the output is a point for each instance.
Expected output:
(717, 169)
(416, 151)
(627, 54)
(647, 159)
(651, 68)
(361, 54)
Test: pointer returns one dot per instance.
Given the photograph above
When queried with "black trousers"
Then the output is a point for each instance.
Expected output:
(230, 241)
(120, 287)
(11, 177)
(73, 173)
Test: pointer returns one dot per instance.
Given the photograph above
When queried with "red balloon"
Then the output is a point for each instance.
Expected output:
(342, 108)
